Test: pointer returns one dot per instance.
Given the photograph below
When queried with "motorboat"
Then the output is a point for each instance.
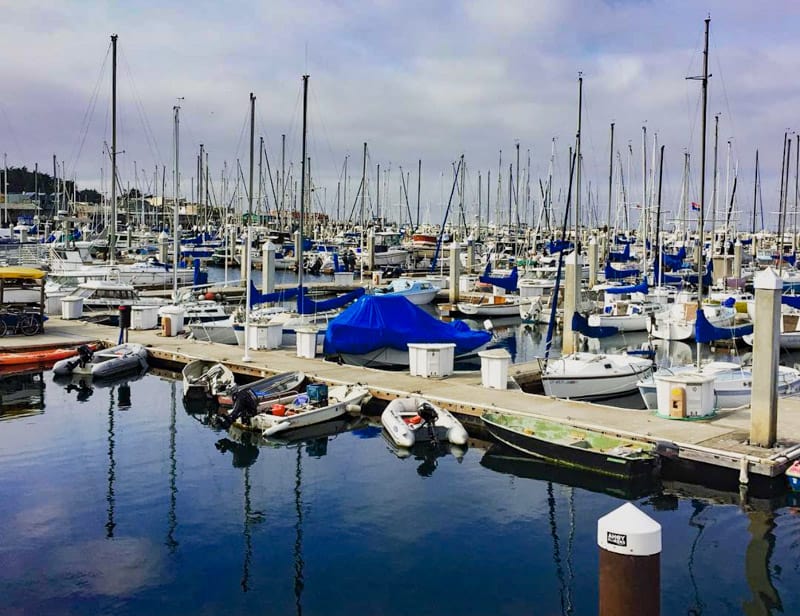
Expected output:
(266, 389)
(304, 409)
(566, 445)
(419, 292)
(590, 376)
(203, 378)
(104, 364)
(412, 420)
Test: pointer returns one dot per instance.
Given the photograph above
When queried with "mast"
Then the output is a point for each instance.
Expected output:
(302, 187)
(578, 189)
(419, 188)
(755, 196)
(175, 212)
(701, 223)
(715, 189)
(248, 235)
(112, 236)
(363, 206)
(610, 182)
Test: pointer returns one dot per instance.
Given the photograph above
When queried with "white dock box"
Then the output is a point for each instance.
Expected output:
(144, 317)
(431, 360)
(52, 303)
(71, 307)
(343, 278)
(171, 320)
(265, 335)
(685, 395)
(467, 282)
(494, 368)
(306, 342)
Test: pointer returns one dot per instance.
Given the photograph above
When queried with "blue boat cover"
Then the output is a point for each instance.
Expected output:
(642, 287)
(377, 321)
(558, 246)
(306, 305)
(257, 297)
(705, 332)
(509, 283)
(581, 325)
(674, 262)
(791, 300)
(747, 242)
(615, 274)
(620, 257)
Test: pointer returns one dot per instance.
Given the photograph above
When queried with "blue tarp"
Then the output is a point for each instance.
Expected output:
(615, 274)
(705, 332)
(509, 283)
(791, 300)
(581, 325)
(642, 287)
(306, 305)
(257, 297)
(374, 322)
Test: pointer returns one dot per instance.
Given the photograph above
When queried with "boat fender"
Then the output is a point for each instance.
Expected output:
(353, 408)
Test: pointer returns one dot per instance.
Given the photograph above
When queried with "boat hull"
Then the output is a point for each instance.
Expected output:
(573, 457)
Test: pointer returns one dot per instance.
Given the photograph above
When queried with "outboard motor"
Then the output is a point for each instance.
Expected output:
(245, 406)
(85, 355)
(429, 417)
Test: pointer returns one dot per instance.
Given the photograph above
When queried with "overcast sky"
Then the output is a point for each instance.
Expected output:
(414, 79)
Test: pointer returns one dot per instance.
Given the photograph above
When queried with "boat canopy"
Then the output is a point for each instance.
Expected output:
(509, 283)
(581, 325)
(613, 273)
(706, 332)
(8, 273)
(377, 321)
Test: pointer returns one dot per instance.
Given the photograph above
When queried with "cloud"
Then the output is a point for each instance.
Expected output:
(416, 80)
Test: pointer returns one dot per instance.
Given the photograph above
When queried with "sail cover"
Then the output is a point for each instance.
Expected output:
(791, 300)
(257, 297)
(306, 305)
(642, 287)
(377, 321)
(706, 332)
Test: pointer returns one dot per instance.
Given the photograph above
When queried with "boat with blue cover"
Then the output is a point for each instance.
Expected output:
(376, 331)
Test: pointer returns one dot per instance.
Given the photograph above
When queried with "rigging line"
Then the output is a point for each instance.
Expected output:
(150, 137)
(327, 139)
(10, 128)
(86, 120)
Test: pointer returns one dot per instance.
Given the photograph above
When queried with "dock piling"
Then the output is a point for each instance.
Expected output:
(630, 563)
(766, 347)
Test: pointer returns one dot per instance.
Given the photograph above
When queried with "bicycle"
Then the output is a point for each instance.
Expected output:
(15, 322)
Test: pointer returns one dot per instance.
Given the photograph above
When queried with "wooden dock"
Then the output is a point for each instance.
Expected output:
(720, 441)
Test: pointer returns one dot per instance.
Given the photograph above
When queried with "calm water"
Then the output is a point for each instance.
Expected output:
(118, 500)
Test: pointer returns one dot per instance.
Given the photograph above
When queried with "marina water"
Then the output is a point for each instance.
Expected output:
(118, 499)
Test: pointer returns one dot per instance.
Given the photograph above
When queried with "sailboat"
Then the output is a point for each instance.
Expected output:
(586, 376)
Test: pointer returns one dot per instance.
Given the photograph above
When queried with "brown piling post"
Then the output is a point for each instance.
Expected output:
(630, 563)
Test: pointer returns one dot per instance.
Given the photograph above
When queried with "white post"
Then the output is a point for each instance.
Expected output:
(766, 349)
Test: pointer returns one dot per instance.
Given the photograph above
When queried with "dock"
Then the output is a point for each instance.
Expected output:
(719, 442)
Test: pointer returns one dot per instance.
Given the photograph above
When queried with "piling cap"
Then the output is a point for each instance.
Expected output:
(628, 530)
(767, 279)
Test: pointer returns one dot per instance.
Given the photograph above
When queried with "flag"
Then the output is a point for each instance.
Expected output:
(695, 206)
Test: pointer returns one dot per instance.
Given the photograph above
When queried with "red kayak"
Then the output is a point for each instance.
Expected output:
(38, 357)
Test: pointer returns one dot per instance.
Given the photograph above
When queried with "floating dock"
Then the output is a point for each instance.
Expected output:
(719, 442)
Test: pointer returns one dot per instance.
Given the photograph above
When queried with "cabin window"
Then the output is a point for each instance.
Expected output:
(607, 366)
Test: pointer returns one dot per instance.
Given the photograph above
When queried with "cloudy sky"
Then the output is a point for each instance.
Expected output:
(414, 79)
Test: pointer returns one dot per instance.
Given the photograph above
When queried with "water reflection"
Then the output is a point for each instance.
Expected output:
(508, 461)
(427, 453)
(172, 518)
(22, 392)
